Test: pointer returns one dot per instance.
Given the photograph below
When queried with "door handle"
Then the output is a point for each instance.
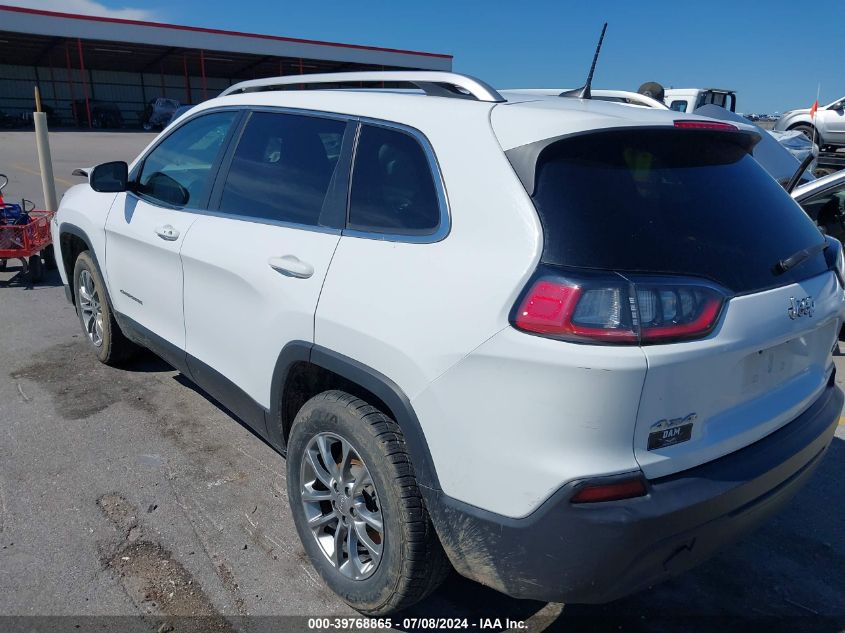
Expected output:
(291, 266)
(167, 232)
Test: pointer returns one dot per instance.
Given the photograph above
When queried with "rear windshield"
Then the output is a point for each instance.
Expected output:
(669, 201)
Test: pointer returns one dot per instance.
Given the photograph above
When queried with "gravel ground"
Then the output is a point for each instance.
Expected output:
(129, 499)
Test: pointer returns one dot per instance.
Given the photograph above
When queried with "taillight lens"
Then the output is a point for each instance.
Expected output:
(705, 125)
(676, 312)
(570, 310)
(615, 310)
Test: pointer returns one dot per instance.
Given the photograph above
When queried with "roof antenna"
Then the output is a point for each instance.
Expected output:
(584, 92)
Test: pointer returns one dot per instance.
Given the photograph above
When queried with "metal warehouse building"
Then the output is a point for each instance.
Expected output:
(82, 63)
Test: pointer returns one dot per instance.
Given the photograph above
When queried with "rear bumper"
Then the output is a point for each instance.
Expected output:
(593, 553)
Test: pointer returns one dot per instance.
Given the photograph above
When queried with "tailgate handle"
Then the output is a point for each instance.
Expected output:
(291, 266)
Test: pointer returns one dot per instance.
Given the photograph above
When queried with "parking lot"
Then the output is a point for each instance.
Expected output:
(129, 491)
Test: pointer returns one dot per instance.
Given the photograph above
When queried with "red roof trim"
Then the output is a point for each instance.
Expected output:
(197, 29)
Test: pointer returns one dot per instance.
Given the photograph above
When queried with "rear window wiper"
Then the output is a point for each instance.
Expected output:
(796, 259)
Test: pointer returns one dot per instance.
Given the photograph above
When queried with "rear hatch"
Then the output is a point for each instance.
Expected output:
(692, 206)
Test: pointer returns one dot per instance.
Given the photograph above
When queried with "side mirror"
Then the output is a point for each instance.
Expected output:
(110, 177)
(162, 187)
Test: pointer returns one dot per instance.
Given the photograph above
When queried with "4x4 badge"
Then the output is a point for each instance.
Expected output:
(801, 307)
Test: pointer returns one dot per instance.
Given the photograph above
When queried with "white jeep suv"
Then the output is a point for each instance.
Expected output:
(570, 347)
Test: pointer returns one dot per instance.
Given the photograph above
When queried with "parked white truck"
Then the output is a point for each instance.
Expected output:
(689, 99)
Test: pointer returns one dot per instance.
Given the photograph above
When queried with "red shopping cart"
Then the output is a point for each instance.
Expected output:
(25, 235)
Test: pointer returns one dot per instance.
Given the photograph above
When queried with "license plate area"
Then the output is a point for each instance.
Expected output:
(769, 368)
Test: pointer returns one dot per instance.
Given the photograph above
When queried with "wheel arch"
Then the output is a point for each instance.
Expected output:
(72, 241)
(304, 369)
(805, 123)
(800, 122)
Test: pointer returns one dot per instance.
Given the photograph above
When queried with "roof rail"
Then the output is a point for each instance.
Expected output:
(607, 94)
(432, 83)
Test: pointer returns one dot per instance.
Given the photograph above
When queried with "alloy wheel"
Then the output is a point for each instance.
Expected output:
(90, 308)
(341, 506)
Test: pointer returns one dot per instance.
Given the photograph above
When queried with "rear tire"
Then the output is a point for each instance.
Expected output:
(95, 313)
(411, 562)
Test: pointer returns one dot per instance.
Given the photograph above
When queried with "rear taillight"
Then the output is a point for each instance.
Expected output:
(675, 312)
(612, 309)
(569, 310)
(704, 125)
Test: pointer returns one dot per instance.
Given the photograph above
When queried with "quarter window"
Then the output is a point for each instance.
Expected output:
(178, 170)
(282, 168)
(393, 188)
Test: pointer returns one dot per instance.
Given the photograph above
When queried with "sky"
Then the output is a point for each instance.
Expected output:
(775, 54)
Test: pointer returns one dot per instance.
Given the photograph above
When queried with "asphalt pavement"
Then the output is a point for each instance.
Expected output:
(130, 499)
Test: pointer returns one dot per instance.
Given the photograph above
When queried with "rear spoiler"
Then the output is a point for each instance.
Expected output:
(524, 158)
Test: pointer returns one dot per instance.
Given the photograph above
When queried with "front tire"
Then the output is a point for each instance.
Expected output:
(810, 132)
(357, 507)
(49, 257)
(95, 313)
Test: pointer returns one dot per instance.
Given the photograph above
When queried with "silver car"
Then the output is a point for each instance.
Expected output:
(828, 125)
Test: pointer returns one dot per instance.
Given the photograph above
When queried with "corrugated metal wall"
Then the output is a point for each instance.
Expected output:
(128, 91)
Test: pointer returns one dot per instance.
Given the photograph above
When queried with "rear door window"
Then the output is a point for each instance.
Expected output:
(393, 189)
(283, 167)
(688, 202)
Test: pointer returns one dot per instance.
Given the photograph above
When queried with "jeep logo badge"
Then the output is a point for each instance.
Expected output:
(801, 307)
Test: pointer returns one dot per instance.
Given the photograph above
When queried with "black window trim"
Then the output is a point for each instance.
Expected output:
(444, 224)
(135, 173)
(354, 122)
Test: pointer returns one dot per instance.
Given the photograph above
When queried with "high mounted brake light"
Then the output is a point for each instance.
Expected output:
(611, 309)
(705, 125)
